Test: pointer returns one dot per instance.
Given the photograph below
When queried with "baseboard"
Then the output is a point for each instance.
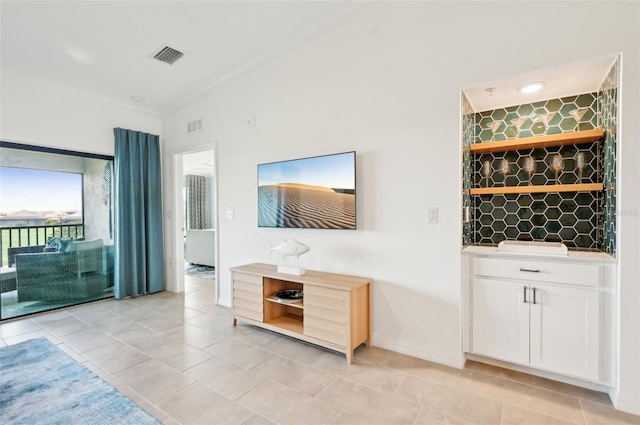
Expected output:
(225, 302)
(419, 351)
(542, 373)
(625, 404)
(614, 395)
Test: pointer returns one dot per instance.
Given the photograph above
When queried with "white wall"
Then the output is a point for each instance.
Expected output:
(629, 226)
(43, 115)
(387, 85)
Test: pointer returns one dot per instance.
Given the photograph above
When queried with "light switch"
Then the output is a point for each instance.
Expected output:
(230, 215)
(432, 215)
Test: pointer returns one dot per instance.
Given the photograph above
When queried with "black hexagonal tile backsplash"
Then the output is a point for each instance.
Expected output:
(574, 218)
(589, 171)
(569, 217)
(554, 116)
(582, 220)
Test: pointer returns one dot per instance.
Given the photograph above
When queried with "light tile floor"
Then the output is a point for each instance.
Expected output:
(179, 358)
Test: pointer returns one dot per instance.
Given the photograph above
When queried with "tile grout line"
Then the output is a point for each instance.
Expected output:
(417, 414)
(584, 416)
(539, 386)
(534, 387)
(122, 384)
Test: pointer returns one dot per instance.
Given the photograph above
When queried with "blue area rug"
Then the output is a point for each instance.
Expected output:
(40, 384)
(196, 270)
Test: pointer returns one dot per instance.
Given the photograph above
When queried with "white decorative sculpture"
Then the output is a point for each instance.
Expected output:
(290, 248)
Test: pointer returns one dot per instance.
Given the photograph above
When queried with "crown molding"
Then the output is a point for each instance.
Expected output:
(313, 32)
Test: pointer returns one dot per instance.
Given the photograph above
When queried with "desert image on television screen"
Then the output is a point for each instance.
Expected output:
(314, 192)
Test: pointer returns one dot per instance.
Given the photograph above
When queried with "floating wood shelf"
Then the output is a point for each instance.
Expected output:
(583, 187)
(574, 138)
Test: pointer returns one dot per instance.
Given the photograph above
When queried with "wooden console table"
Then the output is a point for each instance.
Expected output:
(335, 312)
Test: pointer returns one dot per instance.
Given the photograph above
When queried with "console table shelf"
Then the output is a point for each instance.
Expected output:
(335, 313)
(273, 299)
(289, 322)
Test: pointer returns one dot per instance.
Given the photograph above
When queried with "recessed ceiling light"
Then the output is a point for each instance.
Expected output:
(531, 87)
(138, 99)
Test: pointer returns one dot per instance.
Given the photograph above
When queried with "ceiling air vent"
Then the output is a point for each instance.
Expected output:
(168, 55)
(194, 126)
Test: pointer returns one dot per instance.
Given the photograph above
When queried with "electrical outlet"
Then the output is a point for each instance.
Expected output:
(250, 121)
(230, 215)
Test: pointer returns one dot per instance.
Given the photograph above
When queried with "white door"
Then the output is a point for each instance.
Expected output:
(565, 330)
(501, 320)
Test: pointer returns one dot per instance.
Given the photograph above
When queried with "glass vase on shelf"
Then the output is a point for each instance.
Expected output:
(544, 120)
(517, 123)
(494, 127)
(486, 171)
(504, 169)
(577, 115)
(581, 163)
(529, 167)
(557, 164)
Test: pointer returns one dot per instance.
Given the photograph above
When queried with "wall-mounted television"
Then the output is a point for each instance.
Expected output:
(311, 193)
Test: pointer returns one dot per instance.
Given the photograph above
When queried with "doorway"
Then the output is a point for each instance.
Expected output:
(195, 226)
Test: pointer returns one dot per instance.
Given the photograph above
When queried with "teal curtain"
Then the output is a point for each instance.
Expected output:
(139, 265)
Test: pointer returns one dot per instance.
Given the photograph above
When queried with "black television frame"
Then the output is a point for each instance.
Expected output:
(307, 222)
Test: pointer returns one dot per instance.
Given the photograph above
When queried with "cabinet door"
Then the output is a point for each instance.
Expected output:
(247, 296)
(500, 320)
(565, 330)
(326, 314)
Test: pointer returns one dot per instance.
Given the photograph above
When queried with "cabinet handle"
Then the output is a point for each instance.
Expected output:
(524, 291)
(534, 295)
(522, 269)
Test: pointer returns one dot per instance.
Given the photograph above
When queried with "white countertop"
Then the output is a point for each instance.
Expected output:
(572, 256)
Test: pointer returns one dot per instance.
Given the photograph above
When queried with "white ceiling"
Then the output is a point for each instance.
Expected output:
(103, 47)
(560, 81)
(199, 163)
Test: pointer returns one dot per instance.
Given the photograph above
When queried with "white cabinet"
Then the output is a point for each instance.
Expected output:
(565, 330)
(538, 313)
(500, 320)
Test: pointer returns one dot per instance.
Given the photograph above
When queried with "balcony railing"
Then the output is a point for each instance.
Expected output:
(35, 235)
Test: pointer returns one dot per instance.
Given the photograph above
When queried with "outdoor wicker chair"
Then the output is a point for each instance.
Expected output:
(14, 250)
(55, 276)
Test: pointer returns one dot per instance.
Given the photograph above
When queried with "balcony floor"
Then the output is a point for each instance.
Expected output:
(10, 307)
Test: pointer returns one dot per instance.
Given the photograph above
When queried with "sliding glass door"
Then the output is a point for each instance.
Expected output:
(56, 229)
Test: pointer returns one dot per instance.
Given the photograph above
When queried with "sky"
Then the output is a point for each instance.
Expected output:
(39, 190)
(334, 171)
